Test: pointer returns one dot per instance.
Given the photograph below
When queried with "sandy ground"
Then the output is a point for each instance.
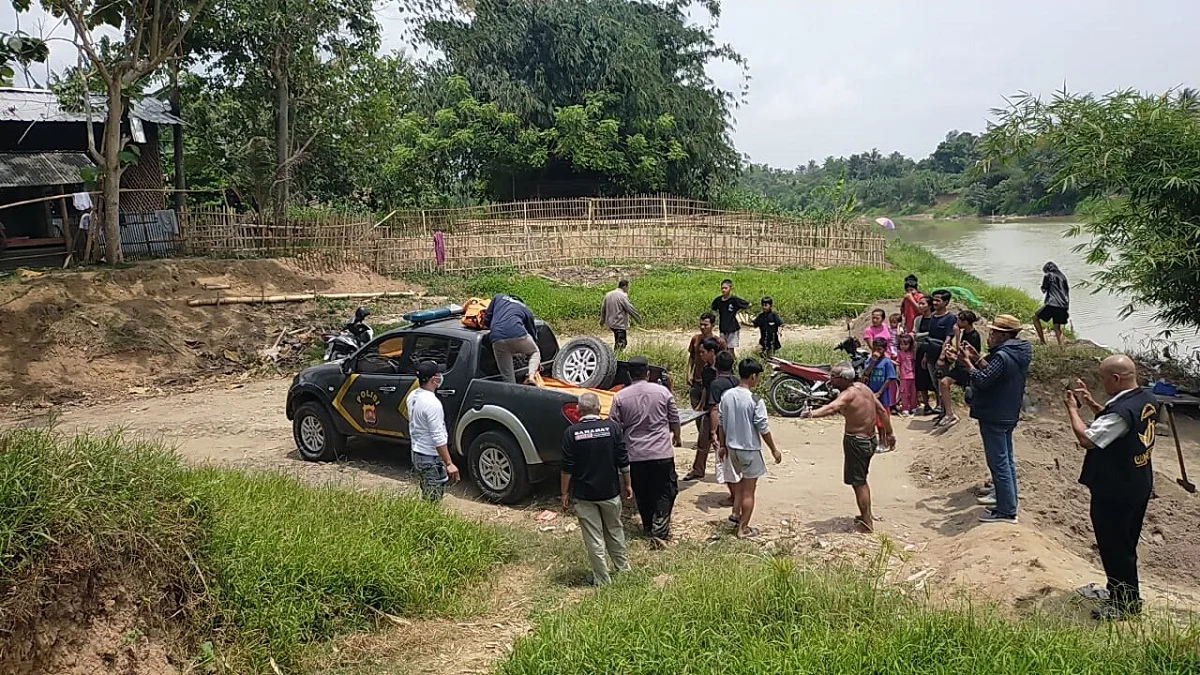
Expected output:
(928, 537)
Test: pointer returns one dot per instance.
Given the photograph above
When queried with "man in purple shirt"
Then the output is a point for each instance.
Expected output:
(647, 415)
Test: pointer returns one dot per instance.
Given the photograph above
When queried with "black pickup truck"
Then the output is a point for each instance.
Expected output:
(509, 435)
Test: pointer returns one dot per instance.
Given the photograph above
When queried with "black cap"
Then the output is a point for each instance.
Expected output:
(426, 370)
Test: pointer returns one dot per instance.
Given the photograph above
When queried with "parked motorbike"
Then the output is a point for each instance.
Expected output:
(350, 339)
(796, 387)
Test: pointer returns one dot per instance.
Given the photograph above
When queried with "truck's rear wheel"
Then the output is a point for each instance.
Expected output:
(586, 362)
(499, 467)
(317, 439)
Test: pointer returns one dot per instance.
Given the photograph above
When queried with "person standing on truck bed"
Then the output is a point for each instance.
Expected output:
(616, 312)
(595, 469)
(646, 413)
(429, 441)
(727, 305)
(513, 333)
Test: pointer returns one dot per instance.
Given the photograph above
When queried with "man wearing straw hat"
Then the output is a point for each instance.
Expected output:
(998, 384)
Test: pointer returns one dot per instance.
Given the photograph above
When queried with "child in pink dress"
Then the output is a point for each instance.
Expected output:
(907, 361)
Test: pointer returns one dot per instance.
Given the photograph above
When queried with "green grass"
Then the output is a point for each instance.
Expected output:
(738, 614)
(263, 564)
(674, 298)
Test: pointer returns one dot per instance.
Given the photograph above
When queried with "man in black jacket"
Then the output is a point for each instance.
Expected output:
(595, 469)
(1118, 472)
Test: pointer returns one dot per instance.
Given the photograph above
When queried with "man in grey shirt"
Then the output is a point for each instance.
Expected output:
(743, 428)
(616, 312)
(647, 415)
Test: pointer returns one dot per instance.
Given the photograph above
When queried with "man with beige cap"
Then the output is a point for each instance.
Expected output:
(998, 384)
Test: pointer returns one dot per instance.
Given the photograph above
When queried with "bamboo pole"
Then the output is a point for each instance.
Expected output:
(294, 297)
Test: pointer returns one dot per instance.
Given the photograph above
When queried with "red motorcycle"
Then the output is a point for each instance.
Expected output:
(796, 387)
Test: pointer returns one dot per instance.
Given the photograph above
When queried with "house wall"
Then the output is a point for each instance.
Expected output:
(147, 173)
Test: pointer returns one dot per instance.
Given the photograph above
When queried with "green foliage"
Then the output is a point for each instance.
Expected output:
(547, 63)
(292, 563)
(475, 146)
(19, 49)
(263, 563)
(730, 613)
(897, 185)
(1137, 158)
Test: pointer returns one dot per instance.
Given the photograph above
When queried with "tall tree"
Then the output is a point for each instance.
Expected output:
(1138, 156)
(533, 58)
(285, 52)
(148, 33)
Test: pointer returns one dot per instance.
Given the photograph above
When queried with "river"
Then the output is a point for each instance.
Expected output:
(1012, 254)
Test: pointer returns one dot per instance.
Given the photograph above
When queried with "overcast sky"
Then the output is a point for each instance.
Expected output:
(833, 78)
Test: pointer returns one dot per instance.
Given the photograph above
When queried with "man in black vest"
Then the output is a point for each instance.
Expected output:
(1118, 472)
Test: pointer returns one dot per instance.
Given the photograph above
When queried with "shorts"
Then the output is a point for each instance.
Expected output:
(731, 339)
(749, 463)
(857, 462)
(1059, 316)
(727, 473)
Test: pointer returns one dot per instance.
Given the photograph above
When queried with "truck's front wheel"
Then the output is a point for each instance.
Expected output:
(499, 467)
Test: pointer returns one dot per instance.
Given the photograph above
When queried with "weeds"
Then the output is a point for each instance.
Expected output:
(729, 613)
(674, 298)
(262, 563)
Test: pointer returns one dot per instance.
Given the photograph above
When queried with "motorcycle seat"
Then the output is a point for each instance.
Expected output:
(818, 366)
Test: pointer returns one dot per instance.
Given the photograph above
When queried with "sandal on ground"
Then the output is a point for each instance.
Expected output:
(733, 520)
(748, 533)
(862, 525)
(692, 475)
(947, 422)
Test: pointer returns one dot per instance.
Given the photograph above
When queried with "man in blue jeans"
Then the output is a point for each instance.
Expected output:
(998, 384)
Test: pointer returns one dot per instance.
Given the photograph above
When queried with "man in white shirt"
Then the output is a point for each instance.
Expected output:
(427, 434)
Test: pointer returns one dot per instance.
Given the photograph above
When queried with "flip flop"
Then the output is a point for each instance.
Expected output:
(692, 475)
(749, 533)
(860, 523)
(734, 520)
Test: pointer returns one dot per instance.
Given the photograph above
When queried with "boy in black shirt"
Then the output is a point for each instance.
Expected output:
(727, 305)
(768, 324)
(595, 469)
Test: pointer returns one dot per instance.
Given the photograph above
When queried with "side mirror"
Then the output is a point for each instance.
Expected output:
(347, 366)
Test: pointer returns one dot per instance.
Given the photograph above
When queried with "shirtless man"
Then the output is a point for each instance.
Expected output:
(860, 408)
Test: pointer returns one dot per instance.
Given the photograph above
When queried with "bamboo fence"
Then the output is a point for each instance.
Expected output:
(542, 235)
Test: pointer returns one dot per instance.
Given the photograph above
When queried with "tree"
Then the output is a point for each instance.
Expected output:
(285, 52)
(149, 33)
(535, 58)
(472, 146)
(1138, 158)
(19, 49)
(956, 154)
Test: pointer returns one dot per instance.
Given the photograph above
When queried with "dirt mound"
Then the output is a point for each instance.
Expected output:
(90, 335)
(1048, 464)
(89, 624)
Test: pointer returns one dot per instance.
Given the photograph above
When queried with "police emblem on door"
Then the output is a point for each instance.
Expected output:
(369, 401)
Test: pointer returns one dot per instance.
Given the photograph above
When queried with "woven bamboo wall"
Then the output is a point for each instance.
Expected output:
(544, 235)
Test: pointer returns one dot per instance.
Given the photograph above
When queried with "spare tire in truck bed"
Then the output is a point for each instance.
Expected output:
(586, 362)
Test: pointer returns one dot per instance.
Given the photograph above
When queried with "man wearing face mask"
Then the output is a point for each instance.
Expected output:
(427, 433)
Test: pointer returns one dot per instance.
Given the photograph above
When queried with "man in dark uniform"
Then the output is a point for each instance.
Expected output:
(1118, 472)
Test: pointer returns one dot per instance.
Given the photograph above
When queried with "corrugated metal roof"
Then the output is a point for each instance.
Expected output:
(33, 169)
(40, 105)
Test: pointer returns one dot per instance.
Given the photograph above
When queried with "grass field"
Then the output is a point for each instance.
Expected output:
(265, 564)
(740, 614)
(674, 298)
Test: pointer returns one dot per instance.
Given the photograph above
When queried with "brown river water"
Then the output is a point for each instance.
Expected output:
(1012, 254)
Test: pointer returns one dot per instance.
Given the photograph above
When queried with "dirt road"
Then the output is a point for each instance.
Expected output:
(924, 495)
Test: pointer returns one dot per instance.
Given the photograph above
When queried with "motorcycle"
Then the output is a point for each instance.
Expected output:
(796, 387)
(350, 339)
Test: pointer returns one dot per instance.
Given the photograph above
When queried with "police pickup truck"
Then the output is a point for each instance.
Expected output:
(506, 436)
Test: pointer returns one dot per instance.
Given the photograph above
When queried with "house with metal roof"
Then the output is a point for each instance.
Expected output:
(43, 157)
